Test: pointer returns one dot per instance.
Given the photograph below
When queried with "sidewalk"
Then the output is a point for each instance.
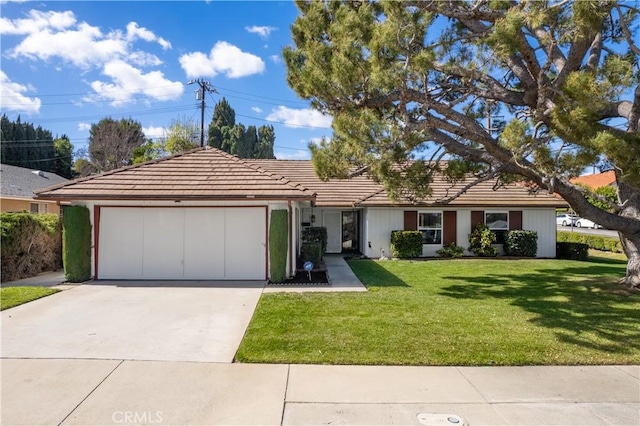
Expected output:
(45, 279)
(92, 392)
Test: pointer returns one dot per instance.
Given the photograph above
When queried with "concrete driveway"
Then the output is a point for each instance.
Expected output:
(154, 320)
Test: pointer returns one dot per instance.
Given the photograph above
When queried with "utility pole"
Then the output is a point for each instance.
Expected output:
(203, 87)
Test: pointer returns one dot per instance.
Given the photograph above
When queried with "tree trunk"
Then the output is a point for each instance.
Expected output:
(630, 201)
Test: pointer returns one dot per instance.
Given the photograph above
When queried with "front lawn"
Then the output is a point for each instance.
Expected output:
(14, 296)
(456, 312)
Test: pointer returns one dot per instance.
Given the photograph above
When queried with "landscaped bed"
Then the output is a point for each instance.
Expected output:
(457, 312)
(14, 296)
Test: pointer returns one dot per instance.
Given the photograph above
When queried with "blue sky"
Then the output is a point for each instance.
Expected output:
(66, 65)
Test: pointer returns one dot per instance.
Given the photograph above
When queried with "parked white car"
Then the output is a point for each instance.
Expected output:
(566, 219)
(586, 223)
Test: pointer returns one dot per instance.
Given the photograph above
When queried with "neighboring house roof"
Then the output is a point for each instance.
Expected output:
(19, 182)
(361, 191)
(199, 174)
(596, 180)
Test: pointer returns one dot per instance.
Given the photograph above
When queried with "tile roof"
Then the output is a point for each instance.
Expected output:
(204, 173)
(363, 191)
(21, 182)
(212, 174)
(596, 180)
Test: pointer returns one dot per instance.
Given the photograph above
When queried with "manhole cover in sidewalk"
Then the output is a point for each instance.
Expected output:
(434, 419)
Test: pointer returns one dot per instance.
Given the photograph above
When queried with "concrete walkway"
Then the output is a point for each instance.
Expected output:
(100, 392)
(45, 279)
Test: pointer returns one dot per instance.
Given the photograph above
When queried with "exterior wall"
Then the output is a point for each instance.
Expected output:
(463, 230)
(23, 205)
(272, 205)
(379, 222)
(543, 221)
(378, 226)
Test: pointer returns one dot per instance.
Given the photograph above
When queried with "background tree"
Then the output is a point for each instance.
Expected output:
(63, 162)
(403, 77)
(24, 145)
(181, 136)
(245, 142)
(82, 167)
(266, 139)
(148, 151)
(111, 143)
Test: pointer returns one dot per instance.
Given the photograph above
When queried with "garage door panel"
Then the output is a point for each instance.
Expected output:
(163, 246)
(204, 248)
(182, 243)
(120, 246)
(245, 243)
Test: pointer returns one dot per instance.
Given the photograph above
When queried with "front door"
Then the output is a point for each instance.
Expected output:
(350, 231)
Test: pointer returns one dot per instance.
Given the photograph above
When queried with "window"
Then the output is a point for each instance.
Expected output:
(498, 222)
(430, 224)
(38, 207)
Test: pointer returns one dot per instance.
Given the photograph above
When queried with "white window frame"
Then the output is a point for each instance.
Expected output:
(506, 229)
(432, 228)
(39, 207)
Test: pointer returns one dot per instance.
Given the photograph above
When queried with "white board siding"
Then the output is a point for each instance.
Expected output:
(543, 221)
(463, 229)
(379, 224)
(332, 220)
(182, 243)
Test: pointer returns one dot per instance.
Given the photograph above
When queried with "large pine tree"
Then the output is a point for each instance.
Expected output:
(403, 76)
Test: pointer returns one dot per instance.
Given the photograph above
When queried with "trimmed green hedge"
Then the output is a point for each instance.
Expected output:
(278, 245)
(312, 252)
(595, 242)
(76, 243)
(30, 244)
(572, 251)
(406, 244)
(521, 243)
(316, 234)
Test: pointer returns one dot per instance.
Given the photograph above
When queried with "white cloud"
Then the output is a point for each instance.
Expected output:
(154, 132)
(134, 32)
(37, 21)
(128, 81)
(262, 31)
(51, 35)
(300, 117)
(275, 59)
(295, 155)
(224, 58)
(256, 109)
(13, 99)
(83, 127)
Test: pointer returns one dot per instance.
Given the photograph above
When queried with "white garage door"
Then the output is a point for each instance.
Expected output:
(182, 243)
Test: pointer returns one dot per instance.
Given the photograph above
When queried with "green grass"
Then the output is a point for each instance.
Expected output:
(457, 312)
(14, 296)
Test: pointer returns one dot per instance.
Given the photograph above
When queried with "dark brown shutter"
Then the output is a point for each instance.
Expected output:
(449, 230)
(477, 217)
(410, 220)
(515, 220)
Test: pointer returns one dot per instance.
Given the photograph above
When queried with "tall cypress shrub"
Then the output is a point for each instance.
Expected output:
(76, 243)
(278, 244)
